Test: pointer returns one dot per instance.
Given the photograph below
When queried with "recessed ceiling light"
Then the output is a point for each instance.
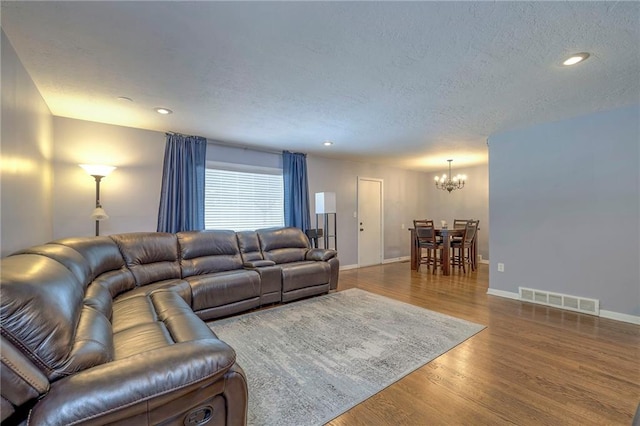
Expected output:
(576, 58)
(124, 99)
(327, 143)
(163, 111)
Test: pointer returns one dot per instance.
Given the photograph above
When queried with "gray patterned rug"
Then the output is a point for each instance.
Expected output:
(310, 361)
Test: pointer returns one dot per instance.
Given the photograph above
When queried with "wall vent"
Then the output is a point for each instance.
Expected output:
(558, 300)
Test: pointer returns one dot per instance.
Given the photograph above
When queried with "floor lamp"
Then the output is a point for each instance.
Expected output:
(325, 207)
(98, 172)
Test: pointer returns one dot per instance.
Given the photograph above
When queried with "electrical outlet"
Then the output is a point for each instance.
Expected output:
(500, 267)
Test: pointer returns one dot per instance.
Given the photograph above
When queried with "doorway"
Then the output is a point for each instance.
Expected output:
(370, 219)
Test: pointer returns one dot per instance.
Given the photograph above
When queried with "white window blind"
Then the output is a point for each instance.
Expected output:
(243, 197)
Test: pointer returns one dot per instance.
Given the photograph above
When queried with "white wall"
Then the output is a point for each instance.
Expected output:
(130, 194)
(26, 150)
(565, 208)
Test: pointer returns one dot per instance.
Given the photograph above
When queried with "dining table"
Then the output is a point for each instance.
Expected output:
(447, 234)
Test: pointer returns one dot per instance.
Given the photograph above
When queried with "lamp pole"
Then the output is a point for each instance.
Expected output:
(98, 179)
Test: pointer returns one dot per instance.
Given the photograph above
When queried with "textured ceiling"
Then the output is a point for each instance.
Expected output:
(408, 84)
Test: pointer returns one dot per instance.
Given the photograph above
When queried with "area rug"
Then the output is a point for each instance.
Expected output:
(308, 362)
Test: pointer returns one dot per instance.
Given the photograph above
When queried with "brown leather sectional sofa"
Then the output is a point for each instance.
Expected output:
(101, 330)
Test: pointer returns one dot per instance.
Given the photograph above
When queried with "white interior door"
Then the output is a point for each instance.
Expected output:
(369, 221)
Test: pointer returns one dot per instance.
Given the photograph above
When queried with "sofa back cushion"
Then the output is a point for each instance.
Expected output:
(283, 245)
(150, 256)
(101, 253)
(41, 303)
(109, 273)
(207, 252)
(249, 246)
(66, 256)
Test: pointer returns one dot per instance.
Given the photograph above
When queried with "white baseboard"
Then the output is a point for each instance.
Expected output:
(397, 259)
(385, 261)
(633, 319)
(347, 267)
(502, 293)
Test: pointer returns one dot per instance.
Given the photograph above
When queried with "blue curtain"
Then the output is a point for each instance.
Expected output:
(182, 194)
(296, 190)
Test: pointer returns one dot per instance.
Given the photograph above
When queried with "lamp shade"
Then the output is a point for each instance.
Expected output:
(325, 202)
(97, 169)
(99, 214)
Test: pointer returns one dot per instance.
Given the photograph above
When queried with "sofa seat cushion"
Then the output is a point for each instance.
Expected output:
(179, 286)
(132, 311)
(141, 338)
(213, 290)
(159, 319)
(299, 275)
(180, 320)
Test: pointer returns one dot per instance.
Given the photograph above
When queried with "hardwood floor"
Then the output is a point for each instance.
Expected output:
(532, 365)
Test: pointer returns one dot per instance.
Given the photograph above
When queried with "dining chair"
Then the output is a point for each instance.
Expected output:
(463, 248)
(460, 223)
(422, 222)
(426, 239)
(426, 222)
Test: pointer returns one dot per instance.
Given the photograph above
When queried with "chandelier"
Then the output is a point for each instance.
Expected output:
(446, 183)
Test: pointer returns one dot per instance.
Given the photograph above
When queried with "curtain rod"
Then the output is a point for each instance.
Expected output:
(232, 145)
(253, 148)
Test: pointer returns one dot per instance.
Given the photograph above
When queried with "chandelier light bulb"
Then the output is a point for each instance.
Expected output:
(446, 183)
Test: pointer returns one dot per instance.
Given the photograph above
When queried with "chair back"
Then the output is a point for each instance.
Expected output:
(460, 223)
(425, 234)
(422, 222)
(470, 231)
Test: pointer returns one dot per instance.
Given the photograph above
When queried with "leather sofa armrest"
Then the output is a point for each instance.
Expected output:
(132, 386)
(321, 254)
(258, 263)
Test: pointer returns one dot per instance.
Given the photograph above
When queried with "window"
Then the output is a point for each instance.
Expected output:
(242, 197)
